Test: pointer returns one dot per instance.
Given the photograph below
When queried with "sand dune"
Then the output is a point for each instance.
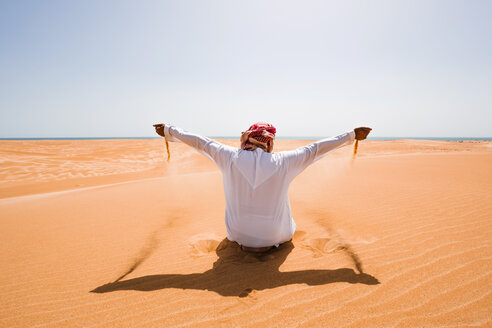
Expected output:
(108, 234)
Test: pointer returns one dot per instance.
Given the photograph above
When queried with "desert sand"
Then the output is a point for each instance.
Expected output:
(106, 233)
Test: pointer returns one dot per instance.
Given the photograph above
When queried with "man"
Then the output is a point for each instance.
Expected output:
(256, 180)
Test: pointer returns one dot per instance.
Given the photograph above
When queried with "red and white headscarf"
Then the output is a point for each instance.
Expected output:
(259, 135)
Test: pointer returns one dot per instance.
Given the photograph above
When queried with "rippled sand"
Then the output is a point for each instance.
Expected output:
(106, 233)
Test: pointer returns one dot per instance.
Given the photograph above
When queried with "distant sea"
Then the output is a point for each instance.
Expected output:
(281, 138)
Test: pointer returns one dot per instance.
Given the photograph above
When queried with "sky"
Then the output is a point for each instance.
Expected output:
(106, 68)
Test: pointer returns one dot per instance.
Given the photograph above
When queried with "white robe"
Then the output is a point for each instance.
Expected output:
(256, 184)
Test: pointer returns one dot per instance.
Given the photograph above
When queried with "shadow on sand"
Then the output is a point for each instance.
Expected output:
(237, 273)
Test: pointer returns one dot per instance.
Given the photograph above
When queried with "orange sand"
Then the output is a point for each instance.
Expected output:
(108, 234)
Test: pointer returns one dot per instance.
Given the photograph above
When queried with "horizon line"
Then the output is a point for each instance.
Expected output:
(235, 137)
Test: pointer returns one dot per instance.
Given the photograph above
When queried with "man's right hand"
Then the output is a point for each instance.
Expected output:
(361, 132)
(159, 129)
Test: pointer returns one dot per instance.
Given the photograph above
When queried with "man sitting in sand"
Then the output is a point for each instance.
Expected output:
(256, 180)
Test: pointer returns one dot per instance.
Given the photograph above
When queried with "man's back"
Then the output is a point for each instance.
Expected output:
(256, 187)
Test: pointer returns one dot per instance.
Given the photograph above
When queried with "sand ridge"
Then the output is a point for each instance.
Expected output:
(400, 238)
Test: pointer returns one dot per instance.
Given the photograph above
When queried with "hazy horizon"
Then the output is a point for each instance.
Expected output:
(316, 68)
(237, 138)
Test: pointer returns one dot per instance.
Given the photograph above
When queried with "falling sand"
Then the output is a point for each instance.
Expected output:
(167, 148)
(356, 146)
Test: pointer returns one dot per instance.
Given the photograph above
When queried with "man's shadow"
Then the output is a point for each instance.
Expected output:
(238, 273)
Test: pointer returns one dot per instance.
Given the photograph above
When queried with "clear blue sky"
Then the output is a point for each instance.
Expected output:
(312, 68)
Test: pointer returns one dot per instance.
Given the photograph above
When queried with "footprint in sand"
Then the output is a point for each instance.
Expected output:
(299, 235)
(248, 296)
(204, 244)
(245, 292)
(321, 246)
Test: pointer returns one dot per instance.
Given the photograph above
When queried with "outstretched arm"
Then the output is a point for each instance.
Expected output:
(219, 153)
(297, 160)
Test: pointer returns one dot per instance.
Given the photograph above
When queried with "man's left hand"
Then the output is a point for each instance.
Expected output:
(361, 132)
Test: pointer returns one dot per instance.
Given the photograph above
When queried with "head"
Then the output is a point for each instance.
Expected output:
(259, 135)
